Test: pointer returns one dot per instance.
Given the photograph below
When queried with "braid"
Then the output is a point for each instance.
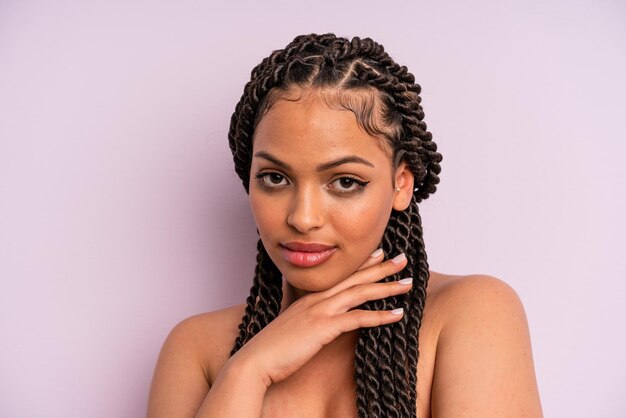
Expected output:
(420, 267)
(263, 304)
(385, 364)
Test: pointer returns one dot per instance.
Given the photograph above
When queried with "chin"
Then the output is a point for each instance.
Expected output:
(312, 280)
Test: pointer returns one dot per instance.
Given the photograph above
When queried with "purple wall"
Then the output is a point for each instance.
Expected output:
(121, 214)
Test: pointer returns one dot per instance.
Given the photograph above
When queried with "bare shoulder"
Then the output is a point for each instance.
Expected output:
(484, 364)
(451, 290)
(212, 335)
(191, 351)
(454, 297)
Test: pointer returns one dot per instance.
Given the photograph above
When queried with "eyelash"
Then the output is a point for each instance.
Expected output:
(360, 184)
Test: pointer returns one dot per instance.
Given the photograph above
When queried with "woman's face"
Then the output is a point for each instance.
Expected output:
(297, 195)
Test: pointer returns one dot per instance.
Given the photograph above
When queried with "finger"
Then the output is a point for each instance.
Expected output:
(359, 318)
(359, 294)
(371, 274)
(376, 257)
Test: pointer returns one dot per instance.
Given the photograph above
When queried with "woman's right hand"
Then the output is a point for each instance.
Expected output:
(316, 319)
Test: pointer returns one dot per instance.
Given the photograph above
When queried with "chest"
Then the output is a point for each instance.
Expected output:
(323, 390)
(318, 390)
(325, 387)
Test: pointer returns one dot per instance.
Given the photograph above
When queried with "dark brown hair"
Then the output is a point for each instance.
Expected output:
(360, 76)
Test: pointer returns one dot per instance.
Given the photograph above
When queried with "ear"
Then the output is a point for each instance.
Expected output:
(404, 180)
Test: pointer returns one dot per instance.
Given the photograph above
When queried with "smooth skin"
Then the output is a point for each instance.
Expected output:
(299, 333)
(475, 325)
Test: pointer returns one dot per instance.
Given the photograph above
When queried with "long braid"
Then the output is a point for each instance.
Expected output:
(401, 365)
(263, 303)
(421, 278)
(367, 352)
(385, 356)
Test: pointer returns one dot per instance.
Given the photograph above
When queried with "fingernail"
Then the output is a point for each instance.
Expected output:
(398, 311)
(377, 252)
(399, 258)
(407, 280)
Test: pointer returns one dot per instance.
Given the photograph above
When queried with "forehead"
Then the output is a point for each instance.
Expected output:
(308, 130)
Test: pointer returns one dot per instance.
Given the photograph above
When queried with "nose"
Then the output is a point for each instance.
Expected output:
(306, 210)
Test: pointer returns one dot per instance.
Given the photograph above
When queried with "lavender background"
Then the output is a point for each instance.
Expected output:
(121, 213)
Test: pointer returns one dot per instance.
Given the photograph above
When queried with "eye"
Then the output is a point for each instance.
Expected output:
(269, 179)
(350, 184)
(345, 185)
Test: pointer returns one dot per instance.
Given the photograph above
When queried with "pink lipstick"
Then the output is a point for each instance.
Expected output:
(306, 255)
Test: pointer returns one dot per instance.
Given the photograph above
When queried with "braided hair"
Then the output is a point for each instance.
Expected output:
(385, 356)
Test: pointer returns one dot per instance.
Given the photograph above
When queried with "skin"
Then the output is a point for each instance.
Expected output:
(303, 204)
(301, 364)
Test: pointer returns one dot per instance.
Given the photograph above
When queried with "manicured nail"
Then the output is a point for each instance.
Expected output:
(399, 258)
(377, 252)
(407, 280)
(398, 311)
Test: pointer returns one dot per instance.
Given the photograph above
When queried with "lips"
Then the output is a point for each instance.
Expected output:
(306, 247)
(306, 255)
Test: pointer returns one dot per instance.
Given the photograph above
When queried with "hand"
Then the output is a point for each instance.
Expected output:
(316, 319)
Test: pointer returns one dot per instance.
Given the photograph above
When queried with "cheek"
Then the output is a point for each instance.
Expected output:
(262, 211)
(363, 222)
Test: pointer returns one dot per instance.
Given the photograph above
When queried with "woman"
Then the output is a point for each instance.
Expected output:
(329, 141)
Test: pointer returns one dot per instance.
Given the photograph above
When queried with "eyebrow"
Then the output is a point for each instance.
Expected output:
(322, 167)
